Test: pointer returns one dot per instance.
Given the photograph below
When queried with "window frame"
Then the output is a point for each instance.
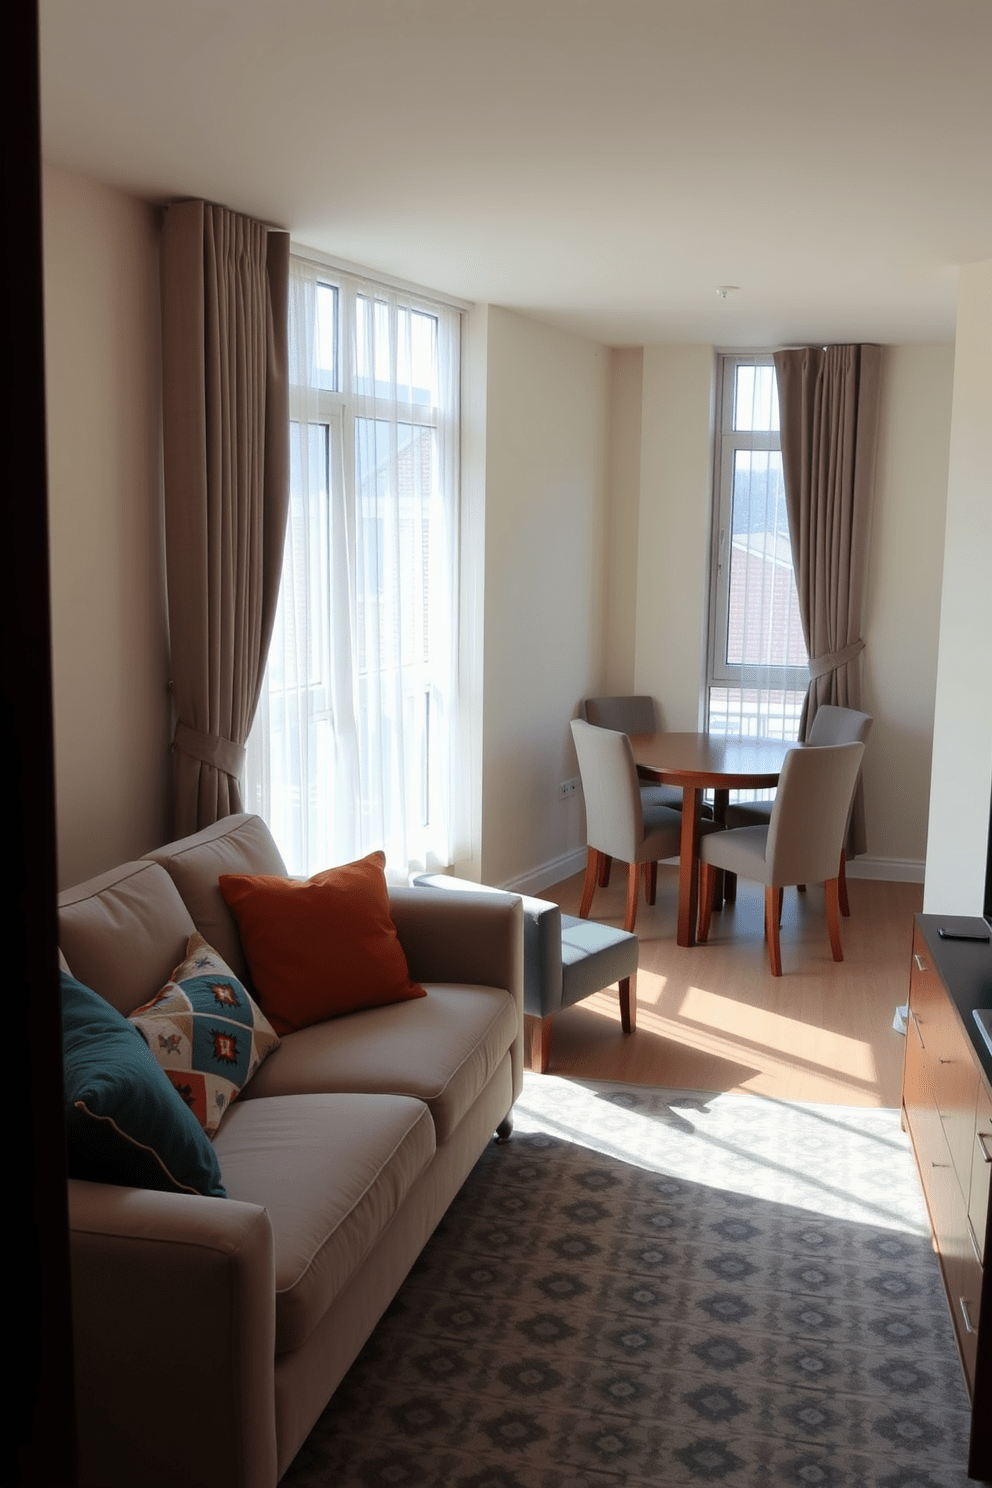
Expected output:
(341, 400)
(727, 442)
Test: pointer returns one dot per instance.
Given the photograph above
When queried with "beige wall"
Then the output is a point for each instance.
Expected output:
(674, 528)
(962, 742)
(623, 511)
(108, 609)
(903, 602)
(545, 536)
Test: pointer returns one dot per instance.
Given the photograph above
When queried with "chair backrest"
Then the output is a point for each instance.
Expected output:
(614, 819)
(834, 725)
(810, 812)
(636, 714)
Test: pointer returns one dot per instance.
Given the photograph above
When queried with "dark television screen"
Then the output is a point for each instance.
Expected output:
(987, 902)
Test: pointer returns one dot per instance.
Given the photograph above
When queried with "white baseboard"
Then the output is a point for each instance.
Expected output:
(538, 879)
(893, 870)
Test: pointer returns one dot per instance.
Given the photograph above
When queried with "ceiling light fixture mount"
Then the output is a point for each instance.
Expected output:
(723, 290)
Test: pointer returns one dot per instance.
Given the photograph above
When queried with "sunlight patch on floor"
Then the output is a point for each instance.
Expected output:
(774, 1046)
(749, 1027)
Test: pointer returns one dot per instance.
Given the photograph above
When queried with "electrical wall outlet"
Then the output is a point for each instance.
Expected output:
(567, 788)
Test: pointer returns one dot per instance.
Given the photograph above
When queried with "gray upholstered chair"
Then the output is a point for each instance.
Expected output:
(832, 725)
(565, 960)
(617, 825)
(801, 843)
(633, 714)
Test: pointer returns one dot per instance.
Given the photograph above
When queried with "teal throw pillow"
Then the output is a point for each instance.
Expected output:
(124, 1121)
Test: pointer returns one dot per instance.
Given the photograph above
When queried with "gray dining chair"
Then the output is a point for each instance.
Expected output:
(617, 825)
(832, 725)
(632, 713)
(565, 961)
(800, 844)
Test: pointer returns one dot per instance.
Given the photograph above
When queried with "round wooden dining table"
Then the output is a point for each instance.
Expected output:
(697, 763)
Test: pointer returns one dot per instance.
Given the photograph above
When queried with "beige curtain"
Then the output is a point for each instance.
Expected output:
(226, 442)
(828, 401)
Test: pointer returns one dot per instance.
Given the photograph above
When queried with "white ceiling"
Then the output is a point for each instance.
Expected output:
(602, 164)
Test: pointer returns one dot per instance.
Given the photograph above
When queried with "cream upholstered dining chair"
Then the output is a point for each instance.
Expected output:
(617, 825)
(801, 843)
(832, 725)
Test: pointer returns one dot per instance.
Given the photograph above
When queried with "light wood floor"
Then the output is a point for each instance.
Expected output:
(714, 1018)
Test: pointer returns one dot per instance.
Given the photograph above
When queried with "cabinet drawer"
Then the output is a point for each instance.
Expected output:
(968, 1277)
(947, 1073)
(981, 1168)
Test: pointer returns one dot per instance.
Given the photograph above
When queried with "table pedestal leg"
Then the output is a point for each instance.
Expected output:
(689, 866)
(721, 800)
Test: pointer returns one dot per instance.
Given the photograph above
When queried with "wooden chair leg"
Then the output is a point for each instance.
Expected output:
(540, 1044)
(633, 883)
(773, 912)
(605, 864)
(707, 893)
(845, 906)
(589, 886)
(832, 893)
(650, 882)
(628, 1004)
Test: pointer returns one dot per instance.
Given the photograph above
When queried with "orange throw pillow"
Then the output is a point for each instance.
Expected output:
(320, 948)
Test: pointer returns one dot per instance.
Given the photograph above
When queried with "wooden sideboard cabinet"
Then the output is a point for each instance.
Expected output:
(947, 1110)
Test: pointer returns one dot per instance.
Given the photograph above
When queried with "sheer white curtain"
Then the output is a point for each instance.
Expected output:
(353, 746)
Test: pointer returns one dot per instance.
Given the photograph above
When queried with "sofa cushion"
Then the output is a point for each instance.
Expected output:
(441, 1049)
(323, 947)
(332, 1171)
(123, 932)
(236, 844)
(206, 1032)
(124, 1121)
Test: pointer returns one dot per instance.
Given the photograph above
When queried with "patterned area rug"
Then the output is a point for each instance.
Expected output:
(650, 1288)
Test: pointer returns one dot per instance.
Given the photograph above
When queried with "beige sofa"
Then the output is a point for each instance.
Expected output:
(211, 1332)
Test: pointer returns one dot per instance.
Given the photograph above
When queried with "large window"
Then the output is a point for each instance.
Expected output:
(757, 661)
(351, 750)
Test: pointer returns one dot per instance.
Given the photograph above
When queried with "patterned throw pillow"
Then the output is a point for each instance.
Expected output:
(206, 1032)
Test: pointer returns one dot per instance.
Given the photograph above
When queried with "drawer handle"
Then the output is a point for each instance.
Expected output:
(974, 1243)
(981, 1138)
(916, 1025)
(921, 963)
(944, 1061)
(964, 1313)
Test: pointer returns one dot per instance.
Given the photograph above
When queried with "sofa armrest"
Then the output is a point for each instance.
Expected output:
(173, 1301)
(458, 936)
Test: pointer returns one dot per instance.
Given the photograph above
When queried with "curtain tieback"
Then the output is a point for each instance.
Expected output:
(210, 749)
(832, 661)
